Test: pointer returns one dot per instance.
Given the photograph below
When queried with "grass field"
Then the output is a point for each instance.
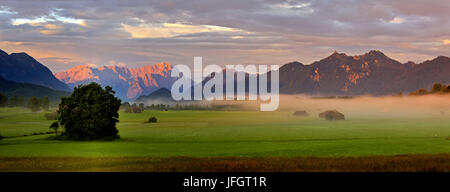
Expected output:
(232, 141)
(236, 134)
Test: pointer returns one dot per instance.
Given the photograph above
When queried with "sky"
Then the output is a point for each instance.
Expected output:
(64, 34)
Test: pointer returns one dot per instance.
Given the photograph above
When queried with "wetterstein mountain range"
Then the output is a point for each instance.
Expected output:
(128, 83)
(372, 73)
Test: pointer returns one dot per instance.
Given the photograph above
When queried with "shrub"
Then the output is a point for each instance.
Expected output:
(152, 120)
(332, 115)
(301, 113)
(90, 113)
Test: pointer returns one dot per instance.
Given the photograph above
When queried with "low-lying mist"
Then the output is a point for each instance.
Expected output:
(416, 106)
(362, 106)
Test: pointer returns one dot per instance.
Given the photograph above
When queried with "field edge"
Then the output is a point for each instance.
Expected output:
(396, 163)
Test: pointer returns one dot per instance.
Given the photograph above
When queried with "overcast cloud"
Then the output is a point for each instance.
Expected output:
(62, 34)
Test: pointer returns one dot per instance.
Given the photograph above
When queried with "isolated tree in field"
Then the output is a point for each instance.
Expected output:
(90, 113)
(55, 127)
(45, 103)
(33, 104)
(3, 100)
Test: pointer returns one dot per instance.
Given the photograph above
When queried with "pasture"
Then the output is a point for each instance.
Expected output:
(232, 134)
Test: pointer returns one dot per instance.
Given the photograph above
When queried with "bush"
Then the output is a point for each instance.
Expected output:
(332, 115)
(52, 116)
(301, 113)
(152, 120)
(90, 113)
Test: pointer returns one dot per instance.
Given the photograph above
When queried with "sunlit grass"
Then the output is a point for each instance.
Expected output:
(237, 134)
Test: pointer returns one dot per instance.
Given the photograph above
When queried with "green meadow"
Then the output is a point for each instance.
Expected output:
(244, 134)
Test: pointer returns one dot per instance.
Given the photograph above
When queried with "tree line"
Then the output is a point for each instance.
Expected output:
(132, 108)
(140, 107)
(33, 103)
(437, 88)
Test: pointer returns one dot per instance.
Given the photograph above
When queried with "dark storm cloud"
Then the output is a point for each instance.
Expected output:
(233, 31)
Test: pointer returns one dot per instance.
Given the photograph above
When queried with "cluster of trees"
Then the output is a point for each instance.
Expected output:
(438, 88)
(14, 101)
(134, 108)
(160, 107)
(138, 108)
(192, 107)
(34, 103)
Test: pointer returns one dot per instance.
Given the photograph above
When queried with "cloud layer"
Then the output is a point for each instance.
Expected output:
(62, 34)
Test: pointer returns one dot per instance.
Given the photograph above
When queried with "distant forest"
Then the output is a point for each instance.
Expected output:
(438, 88)
(33, 103)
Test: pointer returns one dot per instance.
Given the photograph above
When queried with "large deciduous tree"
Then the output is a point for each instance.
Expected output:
(90, 113)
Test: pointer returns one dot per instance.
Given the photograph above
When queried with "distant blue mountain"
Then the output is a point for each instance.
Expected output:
(22, 68)
(26, 90)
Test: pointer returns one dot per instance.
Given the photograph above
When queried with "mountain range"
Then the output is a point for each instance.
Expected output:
(127, 82)
(162, 95)
(26, 90)
(372, 73)
(22, 68)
